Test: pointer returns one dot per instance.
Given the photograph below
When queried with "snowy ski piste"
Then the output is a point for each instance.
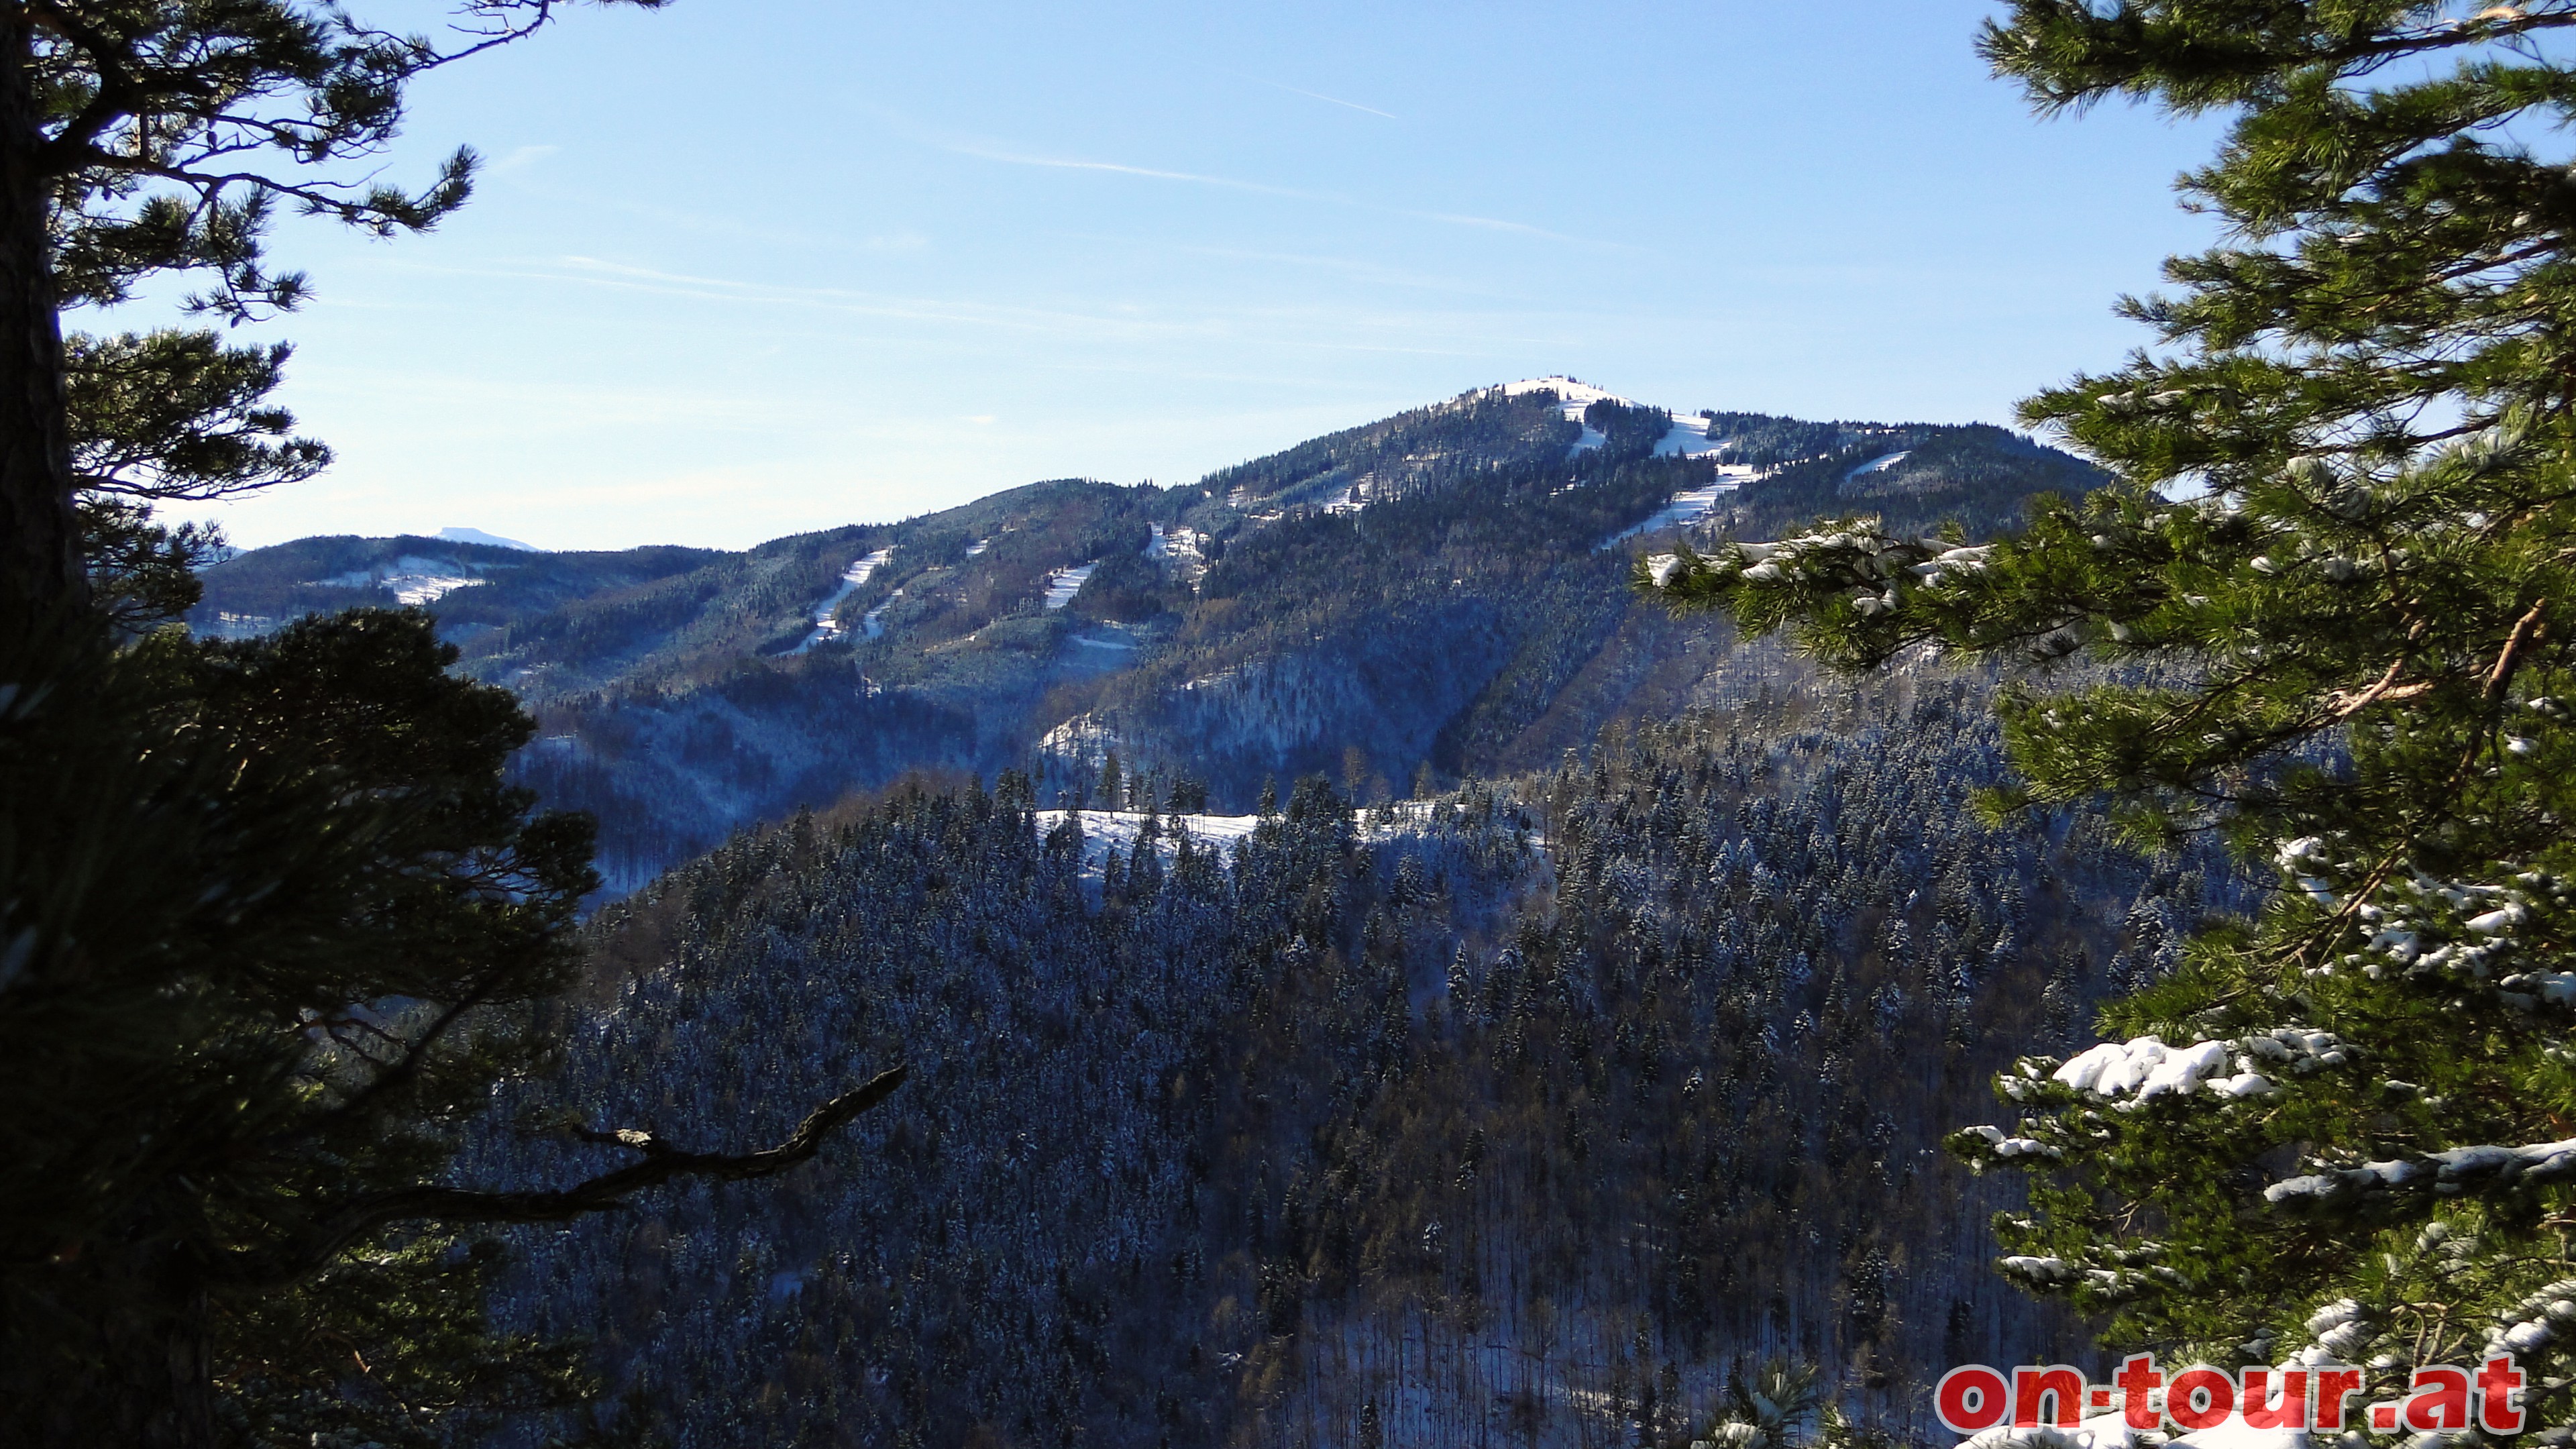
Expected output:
(1063, 584)
(1104, 829)
(851, 578)
(1687, 438)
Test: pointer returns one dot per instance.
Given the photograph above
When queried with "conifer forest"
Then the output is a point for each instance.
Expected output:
(1540, 920)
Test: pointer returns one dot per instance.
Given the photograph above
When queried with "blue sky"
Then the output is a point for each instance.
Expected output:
(738, 270)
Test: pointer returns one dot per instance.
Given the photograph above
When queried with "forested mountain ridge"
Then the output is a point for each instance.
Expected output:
(1379, 1126)
(1443, 589)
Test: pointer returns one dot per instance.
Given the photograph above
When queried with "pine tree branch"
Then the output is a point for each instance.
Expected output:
(415, 1053)
(2525, 630)
(333, 1232)
(2448, 1174)
(2341, 706)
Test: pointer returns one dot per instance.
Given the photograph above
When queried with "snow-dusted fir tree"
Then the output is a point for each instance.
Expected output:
(2344, 1128)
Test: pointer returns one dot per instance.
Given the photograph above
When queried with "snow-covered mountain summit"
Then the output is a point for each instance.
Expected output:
(489, 540)
(1574, 394)
(1443, 587)
(1689, 437)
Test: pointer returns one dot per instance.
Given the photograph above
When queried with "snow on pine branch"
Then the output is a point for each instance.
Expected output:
(2451, 1173)
(2540, 1320)
(2462, 931)
(1878, 567)
(2126, 1076)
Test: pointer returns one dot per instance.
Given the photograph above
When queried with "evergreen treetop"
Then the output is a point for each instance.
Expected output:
(2338, 591)
(140, 138)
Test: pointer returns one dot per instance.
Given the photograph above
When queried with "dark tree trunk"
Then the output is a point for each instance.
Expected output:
(108, 1353)
(40, 561)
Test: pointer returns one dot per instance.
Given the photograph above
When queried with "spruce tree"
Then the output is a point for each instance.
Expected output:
(2328, 612)
(172, 415)
(145, 137)
(275, 925)
(271, 924)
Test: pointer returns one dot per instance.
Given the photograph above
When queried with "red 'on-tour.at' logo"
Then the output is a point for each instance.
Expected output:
(1976, 1398)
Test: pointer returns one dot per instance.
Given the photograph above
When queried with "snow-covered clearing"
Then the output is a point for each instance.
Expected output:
(1687, 507)
(422, 588)
(1102, 829)
(1573, 397)
(976, 549)
(1688, 439)
(411, 578)
(1063, 584)
(1182, 550)
(852, 577)
(1877, 465)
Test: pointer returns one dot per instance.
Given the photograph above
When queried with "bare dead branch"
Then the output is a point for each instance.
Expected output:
(334, 1231)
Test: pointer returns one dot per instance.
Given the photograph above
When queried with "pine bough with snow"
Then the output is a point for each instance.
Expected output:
(2342, 631)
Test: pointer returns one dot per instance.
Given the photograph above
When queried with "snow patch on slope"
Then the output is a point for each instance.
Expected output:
(1878, 465)
(1688, 506)
(1573, 397)
(1102, 829)
(852, 578)
(424, 588)
(1063, 584)
(1688, 439)
(873, 625)
(411, 578)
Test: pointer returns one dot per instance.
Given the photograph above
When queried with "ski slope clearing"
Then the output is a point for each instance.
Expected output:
(422, 588)
(851, 578)
(1574, 398)
(411, 579)
(1102, 829)
(1688, 439)
(1575, 395)
(873, 625)
(1687, 507)
(1878, 465)
(1063, 584)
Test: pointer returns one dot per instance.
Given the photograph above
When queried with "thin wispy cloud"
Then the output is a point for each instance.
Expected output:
(1229, 183)
(1320, 96)
(1159, 326)
(1064, 163)
(1521, 228)
(519, 159)
(974, 326)
(1364, 270)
